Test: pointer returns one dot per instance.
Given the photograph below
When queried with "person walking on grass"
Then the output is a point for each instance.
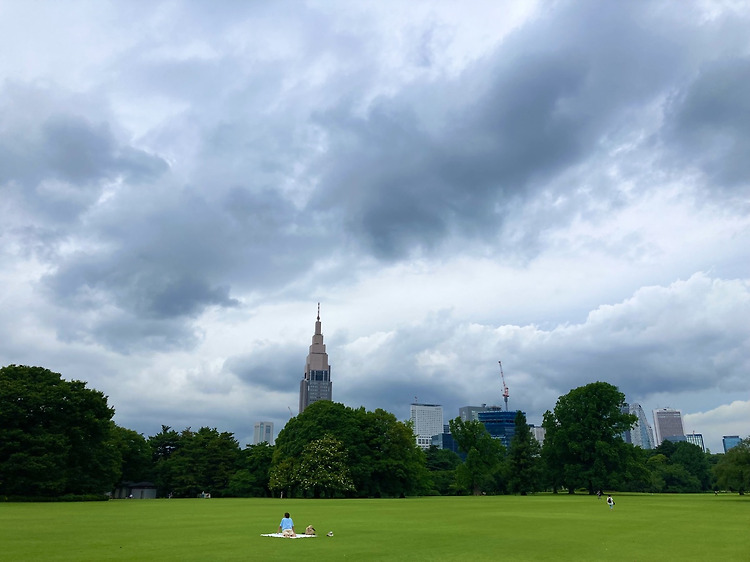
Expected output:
(610, 501)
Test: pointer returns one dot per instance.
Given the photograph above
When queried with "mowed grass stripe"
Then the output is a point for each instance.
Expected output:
(539, 527)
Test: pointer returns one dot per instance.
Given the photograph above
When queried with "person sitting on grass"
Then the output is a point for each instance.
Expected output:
(286, 527)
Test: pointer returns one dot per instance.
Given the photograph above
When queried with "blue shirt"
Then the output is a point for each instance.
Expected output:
(286, 523)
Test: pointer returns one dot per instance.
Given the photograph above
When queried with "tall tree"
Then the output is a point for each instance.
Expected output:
(442, 464)
(695, 461)
(54, 435)
(324, 468)
(202, 461)
(524, 471)
(251, 480)
(733, 470)
(483, 456)
(583, 437)
(382, 455)
(135, 453)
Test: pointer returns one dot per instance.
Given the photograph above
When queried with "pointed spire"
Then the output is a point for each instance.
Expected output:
(318, 312)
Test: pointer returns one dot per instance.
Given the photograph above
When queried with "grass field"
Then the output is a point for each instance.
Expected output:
(541, 527)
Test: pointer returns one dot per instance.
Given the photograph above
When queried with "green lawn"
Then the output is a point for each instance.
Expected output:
(542, 527)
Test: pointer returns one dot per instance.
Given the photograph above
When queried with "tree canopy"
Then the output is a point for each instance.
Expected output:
(54, 435)
(191, 462)
(484, 454)
(733, 469)
(583, 437)
(379, 452)
(524, 463)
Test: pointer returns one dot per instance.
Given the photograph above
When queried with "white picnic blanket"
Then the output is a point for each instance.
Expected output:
(280, 536)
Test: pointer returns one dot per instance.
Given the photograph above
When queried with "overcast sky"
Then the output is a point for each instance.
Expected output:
(563, 186)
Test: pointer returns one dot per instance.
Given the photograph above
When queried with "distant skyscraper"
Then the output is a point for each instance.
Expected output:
(668, 423)
(427, 420)
(316, 384)
(538, 433)
(469, 413)
(500, 424)
(263, 432)
(641, 435)
(730, 441)
(695, 439)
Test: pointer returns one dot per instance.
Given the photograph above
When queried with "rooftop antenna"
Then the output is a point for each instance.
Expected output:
(505, 388)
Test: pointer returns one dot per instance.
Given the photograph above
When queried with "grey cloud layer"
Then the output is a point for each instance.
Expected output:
(209, 162)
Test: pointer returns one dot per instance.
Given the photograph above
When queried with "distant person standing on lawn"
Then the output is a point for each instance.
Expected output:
(286, 527)
(610, 502)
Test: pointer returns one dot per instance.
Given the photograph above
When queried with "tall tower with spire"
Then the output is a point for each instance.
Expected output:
(316, 384)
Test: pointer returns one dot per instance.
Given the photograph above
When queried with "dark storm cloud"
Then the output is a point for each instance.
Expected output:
(709, 123)
(539, 105)
(128, 334)
(168, 261)
(56, 160)
(79, 152)
(273, 367)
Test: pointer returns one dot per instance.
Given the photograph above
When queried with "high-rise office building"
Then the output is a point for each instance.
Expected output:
(469, 413)
(316, 384)
(695, 439)
(668, 424)
(501, 424)
(427, 420)
(730, 441)
(641, 434)
(263, 432)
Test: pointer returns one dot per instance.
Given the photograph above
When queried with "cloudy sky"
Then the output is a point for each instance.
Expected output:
(563, 186)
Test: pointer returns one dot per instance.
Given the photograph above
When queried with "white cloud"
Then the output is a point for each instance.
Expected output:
(727, 419)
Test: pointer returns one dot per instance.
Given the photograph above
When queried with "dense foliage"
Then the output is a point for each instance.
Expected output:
(377, 456)
(479, 472)
(58, 440)
(55, 435)
(583, 443)
(733, 470)
(524, 459)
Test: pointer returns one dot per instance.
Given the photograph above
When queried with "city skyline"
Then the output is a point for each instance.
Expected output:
(563, 186)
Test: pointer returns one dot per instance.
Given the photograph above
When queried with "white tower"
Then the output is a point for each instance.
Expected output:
(427, 420)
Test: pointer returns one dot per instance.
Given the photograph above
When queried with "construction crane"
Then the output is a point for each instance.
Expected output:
(505, 388)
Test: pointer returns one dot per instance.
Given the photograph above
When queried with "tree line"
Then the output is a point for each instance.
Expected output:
(58, 438)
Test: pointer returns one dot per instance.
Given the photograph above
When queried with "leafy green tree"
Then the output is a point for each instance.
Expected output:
(733, 469)
(694, 461)
(524, 470)
(54, 435)
(635, 477)
(284, 476)
(164, 443)
(135, 453)
(195, 462)
(483, 456)
(382, 455)
(323, 468)
(252, 479)
(676, 468)
(442, 464)
(583, 437)
(389, 461)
